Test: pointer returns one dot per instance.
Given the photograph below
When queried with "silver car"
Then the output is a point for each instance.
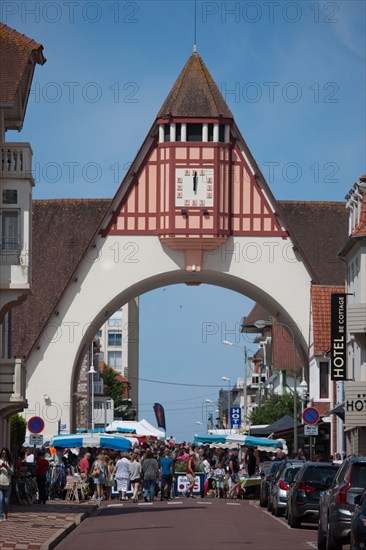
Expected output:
(281, 485)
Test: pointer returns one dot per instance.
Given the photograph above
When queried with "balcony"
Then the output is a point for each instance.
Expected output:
(356, 318)
(12, 383)
(16, 160)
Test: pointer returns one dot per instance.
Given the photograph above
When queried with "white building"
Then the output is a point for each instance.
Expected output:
(18, 58)
(354, 254)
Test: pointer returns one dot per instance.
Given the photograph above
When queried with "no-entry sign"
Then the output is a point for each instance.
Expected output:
(35, 424)
(310, 415)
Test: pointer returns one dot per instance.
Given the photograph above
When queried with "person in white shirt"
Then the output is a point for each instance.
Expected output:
(122, 475)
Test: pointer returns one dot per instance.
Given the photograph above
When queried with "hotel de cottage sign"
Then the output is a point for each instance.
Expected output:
(355, 404)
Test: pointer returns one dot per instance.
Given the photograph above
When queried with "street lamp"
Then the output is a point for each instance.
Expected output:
(228, 380)
(304, 389)
(245, 399)
(205, 403)
(261, 324)
(92, 371)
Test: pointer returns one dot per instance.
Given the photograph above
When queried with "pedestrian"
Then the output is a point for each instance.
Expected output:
(166, 468)
(234, 473)
(84, 465)
(6, 472)
(219, 476)
(251, 469)
(135, 476)
(338, 458)
(190, 473)
(42, 466)
(150, 468)
(122, 475)
(98, 475)
(109, 479)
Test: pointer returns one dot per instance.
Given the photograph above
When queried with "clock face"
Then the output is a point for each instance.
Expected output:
(194, 187)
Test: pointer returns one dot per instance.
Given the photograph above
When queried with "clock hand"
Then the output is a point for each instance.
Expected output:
(195, 181)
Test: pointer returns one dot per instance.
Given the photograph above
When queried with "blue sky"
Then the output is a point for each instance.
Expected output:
(293, 74)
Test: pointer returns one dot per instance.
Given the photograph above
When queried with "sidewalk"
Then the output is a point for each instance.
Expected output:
(41, 527)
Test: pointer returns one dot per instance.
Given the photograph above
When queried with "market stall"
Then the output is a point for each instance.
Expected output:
(92, 440)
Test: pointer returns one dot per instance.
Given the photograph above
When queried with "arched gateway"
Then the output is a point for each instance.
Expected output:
(193, 208)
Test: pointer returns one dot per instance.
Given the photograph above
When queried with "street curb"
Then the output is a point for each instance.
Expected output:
(53, 541)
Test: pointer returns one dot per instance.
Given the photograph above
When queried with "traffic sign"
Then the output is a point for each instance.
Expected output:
(311, 430)
(35, 424)
(36, 439)
(310, 416)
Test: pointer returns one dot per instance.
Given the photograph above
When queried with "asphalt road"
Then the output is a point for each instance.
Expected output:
(194, 524)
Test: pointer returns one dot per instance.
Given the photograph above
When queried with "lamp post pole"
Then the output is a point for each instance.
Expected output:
(262, 324)
(245, 378)
(92, 371)
(228, 380)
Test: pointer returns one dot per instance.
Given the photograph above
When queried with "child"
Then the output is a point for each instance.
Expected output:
(219, 476)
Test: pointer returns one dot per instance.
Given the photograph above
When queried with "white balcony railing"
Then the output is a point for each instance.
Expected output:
(16, 159)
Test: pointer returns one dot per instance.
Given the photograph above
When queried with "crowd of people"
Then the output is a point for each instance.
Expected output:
(145, 473)
(149, 473)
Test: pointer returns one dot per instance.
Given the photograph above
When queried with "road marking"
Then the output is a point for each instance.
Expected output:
(145, 503)
(172, 503)
(312, 545)
(277, 519)
(202, 502)
(233, 504)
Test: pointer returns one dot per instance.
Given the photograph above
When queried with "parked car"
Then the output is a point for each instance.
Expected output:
(269, 468)
(338, 503)
(284, 478)
(312, 479)
(358, 523)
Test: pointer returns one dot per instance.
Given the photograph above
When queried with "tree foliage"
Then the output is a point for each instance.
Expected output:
(18, 428)
(115, 389)
(274, 407)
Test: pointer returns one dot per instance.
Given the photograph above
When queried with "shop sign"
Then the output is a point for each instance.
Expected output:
(338, 338)
(355, 404)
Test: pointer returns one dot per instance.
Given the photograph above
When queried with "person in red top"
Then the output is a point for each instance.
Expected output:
(84, 465)
(42, 466)
(190, 474)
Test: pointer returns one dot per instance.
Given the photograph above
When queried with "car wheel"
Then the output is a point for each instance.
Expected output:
(332, 543)
(278, 512)
(322, 539)
(269, 505)
(263, 502)
(294, 522)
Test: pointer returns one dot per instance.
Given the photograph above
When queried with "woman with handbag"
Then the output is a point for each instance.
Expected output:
(6, 472)
(98, 475)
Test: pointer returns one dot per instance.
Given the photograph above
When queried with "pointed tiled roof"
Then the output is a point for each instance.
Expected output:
(15, 52)
(195, 94)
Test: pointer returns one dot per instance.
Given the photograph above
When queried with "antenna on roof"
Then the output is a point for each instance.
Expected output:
(195, 27)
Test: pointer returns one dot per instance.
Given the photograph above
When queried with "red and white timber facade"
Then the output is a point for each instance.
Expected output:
(194, 208)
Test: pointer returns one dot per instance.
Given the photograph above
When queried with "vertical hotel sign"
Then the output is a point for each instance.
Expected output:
(338, 337)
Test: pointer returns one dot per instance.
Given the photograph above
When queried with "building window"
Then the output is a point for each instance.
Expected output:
(222, 133)
(194, 132)
(166, 132)
(115, 360)
(10, 196)
(178, 132)
(10, 231)
(115, 339)
(324, 380)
